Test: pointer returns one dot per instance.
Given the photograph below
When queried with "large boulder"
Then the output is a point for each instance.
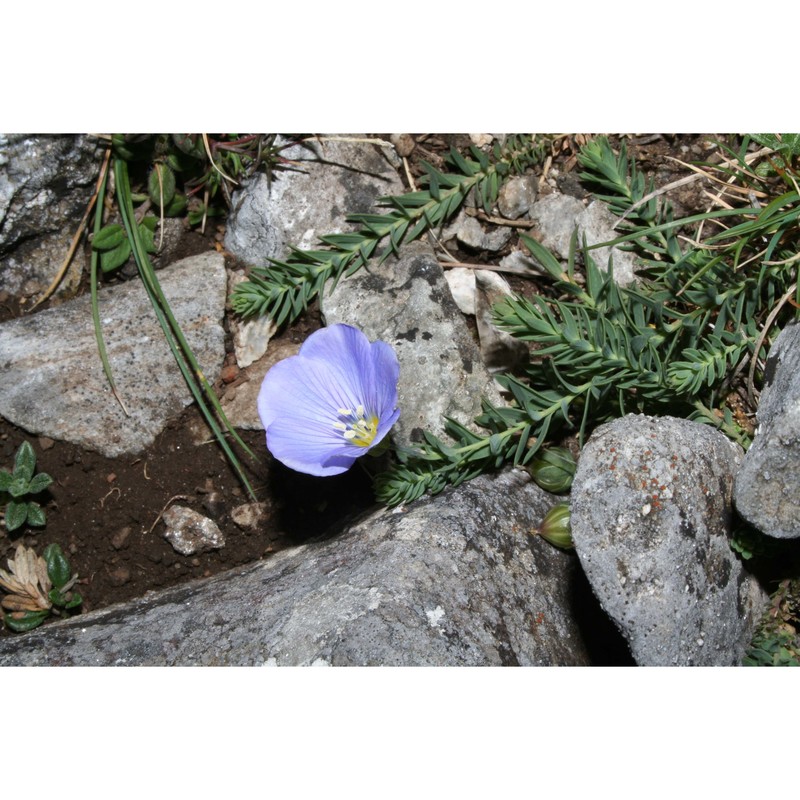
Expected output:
(767, 491)
(53, 380)
(651, 519)
(46, 182)
(451, 580)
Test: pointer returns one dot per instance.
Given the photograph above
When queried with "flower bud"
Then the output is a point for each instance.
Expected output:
(553, 469)
(555, 527)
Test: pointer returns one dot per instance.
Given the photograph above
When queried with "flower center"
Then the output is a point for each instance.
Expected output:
(356, 427)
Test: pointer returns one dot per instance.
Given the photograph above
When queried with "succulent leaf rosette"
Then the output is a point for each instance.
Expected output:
(331, 403)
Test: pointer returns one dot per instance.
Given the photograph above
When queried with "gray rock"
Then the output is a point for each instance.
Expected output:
(500, 351)
(519, 262)
(330, 181)
(471, 234)
(407, 303)
(650, 515)
(461, 281)
(556, 216)
(452, 580)
(596, 224)
(248, 516)
(767, 490)
(559, 215)
(240, 402)
(46, 182)
(52, 379)
(190, 533)
(516, 196)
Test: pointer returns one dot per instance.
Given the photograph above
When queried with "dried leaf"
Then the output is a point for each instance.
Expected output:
(28, 582)
(15, 602)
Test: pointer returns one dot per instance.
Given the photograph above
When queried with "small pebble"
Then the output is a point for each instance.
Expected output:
(229, 373)
(404, 143)
(119, 539)
(111, 477)
(214, 504)
(120, 576)
(45, 442)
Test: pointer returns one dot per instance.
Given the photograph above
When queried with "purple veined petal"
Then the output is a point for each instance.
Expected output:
(308, 453)
(386, 373)
(347, 352)
(302, 400)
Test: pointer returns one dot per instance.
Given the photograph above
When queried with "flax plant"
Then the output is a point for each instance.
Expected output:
(673, 343)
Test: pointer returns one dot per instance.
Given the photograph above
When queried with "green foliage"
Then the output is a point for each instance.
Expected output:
(776, 642)
(178, 170)
(171, 173)
(785, 158)
(16, 486)
(553, 469)
(750, 543)
(784, 143)
(182, 168)
(669, 344)
(114, 247)
(60, 574)
(284, 289)
(201, 390)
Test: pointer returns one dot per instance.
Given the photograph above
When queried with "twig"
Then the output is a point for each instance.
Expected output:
(410, 177)
(510, 223)
(166, 506)
(211, 159)
(76, 238)
(108, 494)
(491, 267)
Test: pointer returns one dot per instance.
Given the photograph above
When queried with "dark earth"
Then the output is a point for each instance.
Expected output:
(106, 513)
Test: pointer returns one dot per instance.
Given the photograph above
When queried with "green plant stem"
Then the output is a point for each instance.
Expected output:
(187, 363)
(93, 268)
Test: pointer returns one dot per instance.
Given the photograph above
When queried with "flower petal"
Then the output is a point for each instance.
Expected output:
(301, 399)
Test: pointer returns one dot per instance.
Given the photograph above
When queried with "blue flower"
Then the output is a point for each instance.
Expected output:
(331, 403)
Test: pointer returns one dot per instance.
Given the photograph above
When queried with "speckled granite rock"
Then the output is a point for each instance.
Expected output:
(52, 378)
(46, 182)
(451, 580)
(650, 515)
(328, 181)
(408, 304)
(767, 491)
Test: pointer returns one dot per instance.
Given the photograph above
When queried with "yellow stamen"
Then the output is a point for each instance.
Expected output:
(356, 427)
